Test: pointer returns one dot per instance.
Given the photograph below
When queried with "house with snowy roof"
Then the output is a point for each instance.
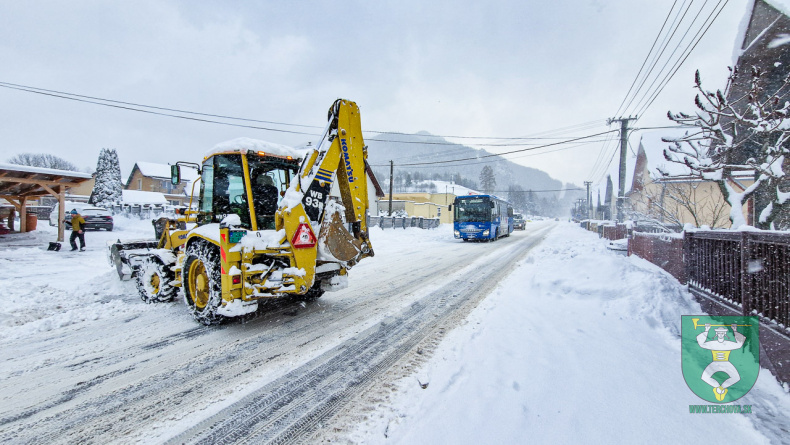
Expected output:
(153, 177)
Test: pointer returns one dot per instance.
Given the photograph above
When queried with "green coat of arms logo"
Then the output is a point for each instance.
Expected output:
(720, 355)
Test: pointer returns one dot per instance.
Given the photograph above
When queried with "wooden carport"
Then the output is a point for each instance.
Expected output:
(19, 183)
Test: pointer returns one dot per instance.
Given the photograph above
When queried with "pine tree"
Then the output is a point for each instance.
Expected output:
(487, 179)
(533, 206)
(108, 187)
(517, 197)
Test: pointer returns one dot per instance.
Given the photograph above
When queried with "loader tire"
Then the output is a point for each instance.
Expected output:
(203, 283)
(312, 294)
(153, 281)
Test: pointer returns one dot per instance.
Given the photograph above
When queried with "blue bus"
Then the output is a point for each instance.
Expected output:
(482, 217)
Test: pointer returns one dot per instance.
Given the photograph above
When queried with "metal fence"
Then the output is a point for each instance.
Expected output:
(392, 222)
(748, 269)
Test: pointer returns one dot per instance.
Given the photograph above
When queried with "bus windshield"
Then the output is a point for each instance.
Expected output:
(473, 210)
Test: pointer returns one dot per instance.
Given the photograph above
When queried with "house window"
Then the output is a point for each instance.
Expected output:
(139, 184)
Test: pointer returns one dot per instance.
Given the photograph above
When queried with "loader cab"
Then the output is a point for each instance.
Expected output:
(229, 180)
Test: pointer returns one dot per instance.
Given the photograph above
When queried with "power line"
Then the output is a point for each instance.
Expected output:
(157, 113)
(505, 153)
(676, 25)
(685, 57)
(539, 191)
(154, 107)
(650, 90)
(646, 57)
(510, 159)
(123, 107)
(127, 106)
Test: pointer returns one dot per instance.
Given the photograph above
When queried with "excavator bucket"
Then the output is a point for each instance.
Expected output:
(336, 240)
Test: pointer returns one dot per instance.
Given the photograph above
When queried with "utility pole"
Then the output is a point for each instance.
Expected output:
(589, 199)
(391, 167)
(578, 206)
(623, 150)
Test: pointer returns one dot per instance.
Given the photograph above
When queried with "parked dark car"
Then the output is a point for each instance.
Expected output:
(95, 219)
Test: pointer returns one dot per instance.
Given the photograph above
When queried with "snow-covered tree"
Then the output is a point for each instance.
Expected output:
(517, 197)
(747, 134)
(108, 187)
(42, 160)
(487, 179)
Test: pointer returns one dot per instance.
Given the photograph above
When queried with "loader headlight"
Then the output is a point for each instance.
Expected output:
(486, 232)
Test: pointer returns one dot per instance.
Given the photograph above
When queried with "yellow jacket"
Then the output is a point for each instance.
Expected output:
(77, 223)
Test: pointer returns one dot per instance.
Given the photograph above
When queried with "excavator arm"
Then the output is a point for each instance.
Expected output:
(308, 208)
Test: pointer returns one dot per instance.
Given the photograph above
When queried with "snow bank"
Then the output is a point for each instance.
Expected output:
(578, 344)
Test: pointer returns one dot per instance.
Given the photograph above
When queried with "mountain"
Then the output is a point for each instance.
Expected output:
(423, 147)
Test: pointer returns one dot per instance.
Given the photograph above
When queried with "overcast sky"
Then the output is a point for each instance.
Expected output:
(494, 68)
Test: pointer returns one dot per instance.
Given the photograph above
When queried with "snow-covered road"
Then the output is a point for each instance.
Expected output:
(86, 361)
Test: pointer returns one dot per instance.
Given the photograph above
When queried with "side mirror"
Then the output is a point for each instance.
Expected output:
(450, 208)
(492, 205)
(175, 174)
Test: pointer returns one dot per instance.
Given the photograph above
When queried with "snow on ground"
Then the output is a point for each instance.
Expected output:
(578, 344)
(46, 290)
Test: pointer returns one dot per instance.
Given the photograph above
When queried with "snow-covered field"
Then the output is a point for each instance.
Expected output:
(578, 345)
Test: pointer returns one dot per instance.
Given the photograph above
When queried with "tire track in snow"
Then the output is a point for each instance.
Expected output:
(292, 407)
(169, 380)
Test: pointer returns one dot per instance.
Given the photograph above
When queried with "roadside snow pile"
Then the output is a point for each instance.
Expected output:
(579, 343)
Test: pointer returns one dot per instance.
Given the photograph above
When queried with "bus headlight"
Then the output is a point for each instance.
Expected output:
(486, 232)
(457, 234)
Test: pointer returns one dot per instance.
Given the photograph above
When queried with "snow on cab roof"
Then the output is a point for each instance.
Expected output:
(245, 145)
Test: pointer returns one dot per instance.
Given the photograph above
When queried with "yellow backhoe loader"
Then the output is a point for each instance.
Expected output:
(265, 225)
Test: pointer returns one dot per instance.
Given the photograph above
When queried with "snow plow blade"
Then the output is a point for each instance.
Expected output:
(122, 255)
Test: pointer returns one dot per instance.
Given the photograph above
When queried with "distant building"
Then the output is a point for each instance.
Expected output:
(152, 177)
(426, 205)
